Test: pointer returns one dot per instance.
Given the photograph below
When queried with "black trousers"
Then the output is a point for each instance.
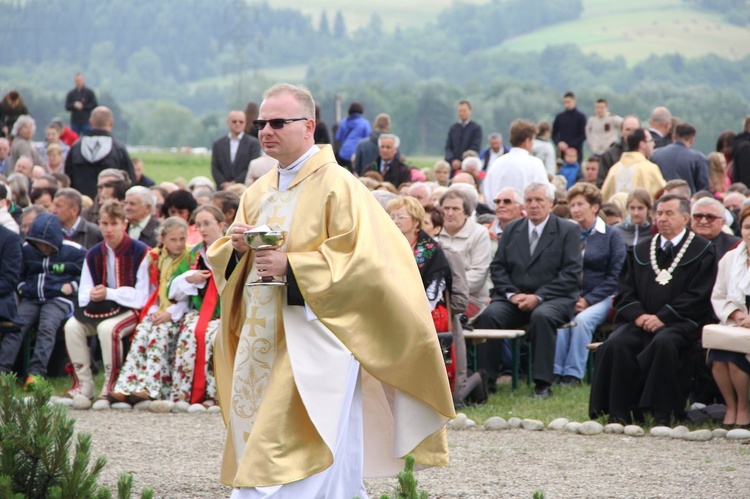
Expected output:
(636, 371)
(542, 332)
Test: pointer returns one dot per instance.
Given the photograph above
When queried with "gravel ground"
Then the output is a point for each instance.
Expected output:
(178, 455)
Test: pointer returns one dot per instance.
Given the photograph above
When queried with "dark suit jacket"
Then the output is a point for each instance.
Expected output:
(10, 274)
(148, 236)
(223, 170)
(461, 139)
(397, 172)
(551, 272)
(723, 243)
(88, 234)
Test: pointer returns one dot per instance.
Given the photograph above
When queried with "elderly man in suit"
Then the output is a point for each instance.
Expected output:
(535, 274)
(231, 155)
(139, 204)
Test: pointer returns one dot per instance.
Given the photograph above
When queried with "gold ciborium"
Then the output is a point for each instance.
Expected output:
(265, 237)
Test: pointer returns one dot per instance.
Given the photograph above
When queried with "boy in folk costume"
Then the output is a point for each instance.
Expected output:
(192, 373)
(114, 287)
(146, 374)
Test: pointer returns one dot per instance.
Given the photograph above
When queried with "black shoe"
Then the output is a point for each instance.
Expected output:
(558, 379)
(492, 385)
(570, 381)
(542, 391)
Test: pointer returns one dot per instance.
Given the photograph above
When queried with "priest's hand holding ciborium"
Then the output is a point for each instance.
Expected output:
(265, 241)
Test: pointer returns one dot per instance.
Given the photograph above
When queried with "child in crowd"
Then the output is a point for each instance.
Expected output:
(570, 168)
(50, 273)
(193, 374)
(146, 374)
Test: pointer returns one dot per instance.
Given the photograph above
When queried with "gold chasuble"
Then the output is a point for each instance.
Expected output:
(281, 370)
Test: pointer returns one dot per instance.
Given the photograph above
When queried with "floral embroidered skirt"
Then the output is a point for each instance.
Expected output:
(148, 367)
(184, 361)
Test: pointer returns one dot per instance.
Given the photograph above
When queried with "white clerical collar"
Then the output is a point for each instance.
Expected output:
(539, 228)
(675, 240)
(286, 175)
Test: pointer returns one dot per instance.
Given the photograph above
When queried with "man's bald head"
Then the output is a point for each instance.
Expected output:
(102, 119)
(629, 123)
(661, 119)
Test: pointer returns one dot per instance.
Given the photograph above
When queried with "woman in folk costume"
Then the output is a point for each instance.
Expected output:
(146, 374)
(192, 373)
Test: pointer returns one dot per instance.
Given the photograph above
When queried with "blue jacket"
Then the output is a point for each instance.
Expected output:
(10, 266)
(677, 161)
(351, 130)
(602, 262)
(571, 172)
(42, 277)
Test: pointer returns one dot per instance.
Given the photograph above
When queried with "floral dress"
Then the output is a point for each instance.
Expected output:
(192, 376)
(436, 275)
(148, 367)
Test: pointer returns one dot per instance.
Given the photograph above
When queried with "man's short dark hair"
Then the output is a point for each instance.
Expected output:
(543, 127)
(684, 203)
(180, 200)
(520, 130)
(120, 187)
(635, 138)
(680, 184)
(594, 158)
(3, 192)
(684, 131)
(465, 102)
(602, 101)
(569, 94)
(41, 191)
(228, 199)
(356, 107)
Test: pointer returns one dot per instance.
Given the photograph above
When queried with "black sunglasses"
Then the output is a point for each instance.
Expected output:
(503, 201)
(276, 124)
(709, 218)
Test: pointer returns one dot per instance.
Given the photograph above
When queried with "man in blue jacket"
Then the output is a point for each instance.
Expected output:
(50, 272)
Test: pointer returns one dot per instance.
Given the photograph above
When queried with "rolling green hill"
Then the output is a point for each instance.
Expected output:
(640, 28)
(634, 29)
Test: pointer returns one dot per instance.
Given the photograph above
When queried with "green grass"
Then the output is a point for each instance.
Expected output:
(638, 29)
(571, 403)
(166, 166)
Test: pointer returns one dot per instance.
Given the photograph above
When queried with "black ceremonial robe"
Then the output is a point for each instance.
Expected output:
(636, 371)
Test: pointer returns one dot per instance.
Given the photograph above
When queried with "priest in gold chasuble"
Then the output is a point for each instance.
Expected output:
(339, 374)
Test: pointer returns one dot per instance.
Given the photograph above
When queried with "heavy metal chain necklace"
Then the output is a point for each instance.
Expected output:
(663, 276)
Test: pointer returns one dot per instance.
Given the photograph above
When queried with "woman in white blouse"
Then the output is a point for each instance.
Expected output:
(730, 299)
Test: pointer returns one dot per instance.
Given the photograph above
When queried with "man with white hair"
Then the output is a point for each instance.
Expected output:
(707, 220)
(660, 123)
(472, 165)
(535, 274)
(421, 192)
(367, 149)
(494, 151)
(387, 163)
(97, 150)
(139, 204)
(518, 168)
(508, 207)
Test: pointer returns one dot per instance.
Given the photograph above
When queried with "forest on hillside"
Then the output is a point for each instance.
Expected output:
(172, 68)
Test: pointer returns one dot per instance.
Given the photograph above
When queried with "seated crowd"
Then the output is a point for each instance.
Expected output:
(634, 238)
